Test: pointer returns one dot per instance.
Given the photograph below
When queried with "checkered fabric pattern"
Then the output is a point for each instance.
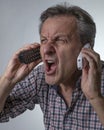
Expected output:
(57, 115)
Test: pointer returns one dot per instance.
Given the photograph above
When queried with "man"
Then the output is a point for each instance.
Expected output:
(70, 99)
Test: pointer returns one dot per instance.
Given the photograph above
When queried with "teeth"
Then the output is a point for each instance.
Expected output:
(50, 61)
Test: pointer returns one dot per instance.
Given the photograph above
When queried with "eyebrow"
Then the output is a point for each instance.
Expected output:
(63, 35)
(59, 35)
(56, 35)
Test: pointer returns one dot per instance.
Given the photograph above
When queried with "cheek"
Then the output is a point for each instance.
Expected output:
(41, 51)
(69, 59)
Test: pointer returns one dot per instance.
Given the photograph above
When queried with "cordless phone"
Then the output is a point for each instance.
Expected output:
(29, 56)
(80, 59)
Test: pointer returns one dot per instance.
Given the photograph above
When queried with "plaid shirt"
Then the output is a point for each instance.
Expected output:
(57, 115)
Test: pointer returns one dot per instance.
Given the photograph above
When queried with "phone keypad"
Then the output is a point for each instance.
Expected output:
(29, 56)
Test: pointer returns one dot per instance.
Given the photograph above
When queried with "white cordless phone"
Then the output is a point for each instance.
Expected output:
(80, 58)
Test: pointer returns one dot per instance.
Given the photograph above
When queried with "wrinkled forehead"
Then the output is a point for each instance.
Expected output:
(59, 24)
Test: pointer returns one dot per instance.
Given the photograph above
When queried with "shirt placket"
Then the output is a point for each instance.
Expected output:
(68, 118)
(58, 110)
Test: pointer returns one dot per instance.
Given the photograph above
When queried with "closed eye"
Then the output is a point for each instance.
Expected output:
(43, 40)
(60, 40)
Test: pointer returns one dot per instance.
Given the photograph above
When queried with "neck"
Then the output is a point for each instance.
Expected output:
(67, 88)
(70, 83)
(66, 93)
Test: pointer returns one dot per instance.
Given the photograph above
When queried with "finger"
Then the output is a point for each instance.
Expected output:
(27, 47)
(34, 45)
(92, 62)
(31, 44)
(34, 64)
(93, 55)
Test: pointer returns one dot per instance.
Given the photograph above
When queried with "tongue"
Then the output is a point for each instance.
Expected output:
(51, 68)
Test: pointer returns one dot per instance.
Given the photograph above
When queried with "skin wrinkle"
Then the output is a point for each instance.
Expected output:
(62, 39)
(52, 28)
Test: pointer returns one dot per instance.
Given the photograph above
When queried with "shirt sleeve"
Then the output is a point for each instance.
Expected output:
(24, 96)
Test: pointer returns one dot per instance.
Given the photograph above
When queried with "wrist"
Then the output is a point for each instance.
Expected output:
(98, 105)
(6, 82)
(99, 100)
(5, 89)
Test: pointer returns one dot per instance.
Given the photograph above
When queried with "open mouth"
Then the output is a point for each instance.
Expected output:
(50, 66)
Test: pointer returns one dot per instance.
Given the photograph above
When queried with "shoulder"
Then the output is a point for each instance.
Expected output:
(35, 77)
(38, 71)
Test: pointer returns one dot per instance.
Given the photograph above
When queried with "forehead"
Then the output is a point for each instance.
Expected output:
(59, 24)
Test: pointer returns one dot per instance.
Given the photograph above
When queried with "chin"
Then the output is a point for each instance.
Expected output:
(51, 80)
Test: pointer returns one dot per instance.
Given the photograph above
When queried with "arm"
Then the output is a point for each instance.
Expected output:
(5, 89)
(14, 73)
(91, 82)
(98, 105)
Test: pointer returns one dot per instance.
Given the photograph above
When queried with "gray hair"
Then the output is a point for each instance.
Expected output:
(85, 23)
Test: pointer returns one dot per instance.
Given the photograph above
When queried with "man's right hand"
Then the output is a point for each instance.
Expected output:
(16, 70)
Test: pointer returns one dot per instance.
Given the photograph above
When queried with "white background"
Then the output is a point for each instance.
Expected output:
(19, 20)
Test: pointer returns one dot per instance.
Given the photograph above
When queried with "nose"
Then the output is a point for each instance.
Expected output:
(49, 49)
